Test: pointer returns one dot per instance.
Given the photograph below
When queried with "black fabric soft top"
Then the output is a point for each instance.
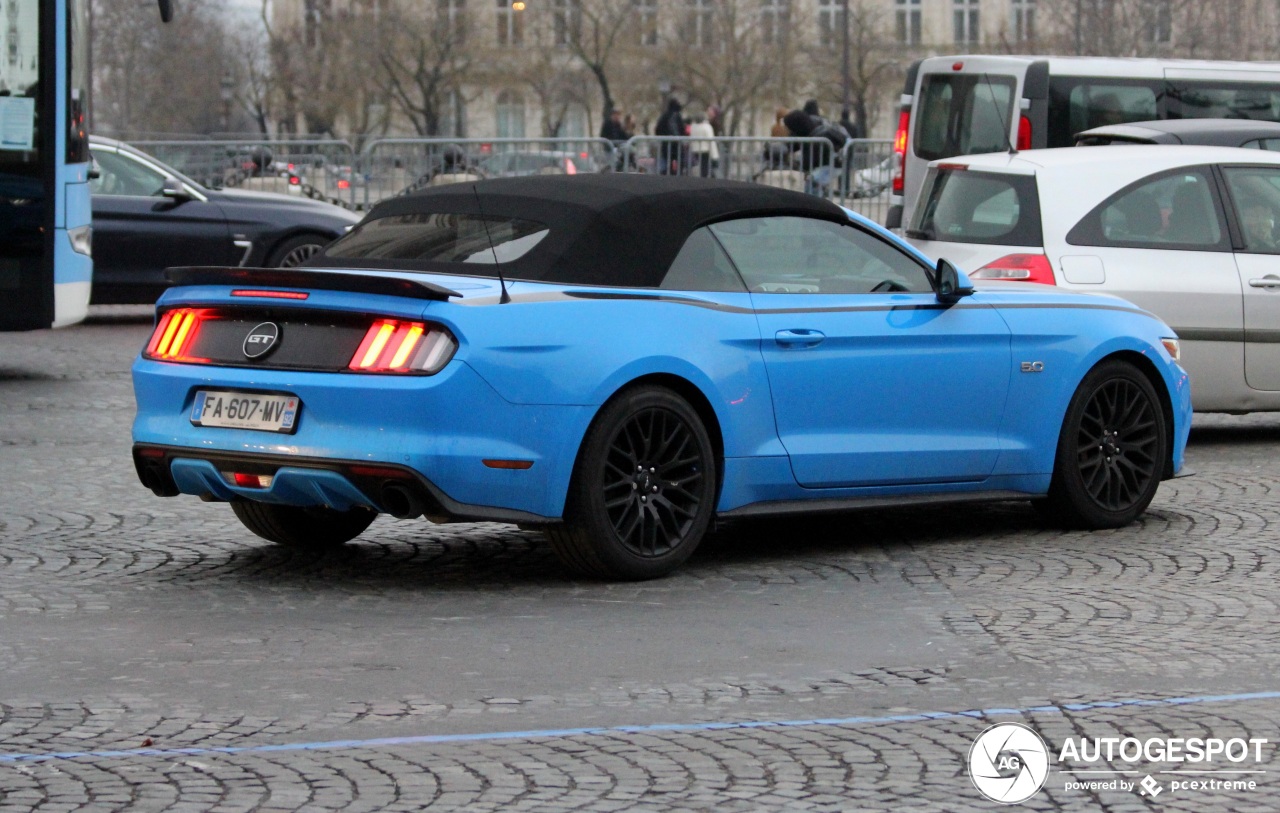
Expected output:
(607, 229)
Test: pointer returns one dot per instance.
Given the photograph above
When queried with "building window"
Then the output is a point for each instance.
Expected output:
(453, 18)
(775, 19)
(510, 115)
(829, 23)
(566, 21)
(965, 16)
(646, 20)
(314, 12)
(909, 22)
(510, 25)
(1158, 21)
(1024, 20)
(699, 22)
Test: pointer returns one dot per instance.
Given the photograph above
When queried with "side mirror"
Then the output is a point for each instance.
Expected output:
(176, 191)
(952, 283)
(166, 10)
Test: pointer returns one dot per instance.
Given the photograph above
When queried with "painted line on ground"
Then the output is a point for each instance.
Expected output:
(558, 733)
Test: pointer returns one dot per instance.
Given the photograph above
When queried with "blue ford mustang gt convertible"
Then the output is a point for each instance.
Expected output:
(622, 360)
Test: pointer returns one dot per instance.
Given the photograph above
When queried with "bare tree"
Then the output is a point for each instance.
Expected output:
(313, 61)
(423, 58)
(597, 32)
(156, 78)
(721, 57)
(875, 64)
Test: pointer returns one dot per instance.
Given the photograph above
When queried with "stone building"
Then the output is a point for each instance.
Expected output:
(486, 68)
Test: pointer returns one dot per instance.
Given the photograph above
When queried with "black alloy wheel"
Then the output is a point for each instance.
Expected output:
(297, 250)
(1112, 450)
(643, 492)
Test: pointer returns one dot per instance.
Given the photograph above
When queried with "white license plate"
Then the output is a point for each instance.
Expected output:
(245, 410)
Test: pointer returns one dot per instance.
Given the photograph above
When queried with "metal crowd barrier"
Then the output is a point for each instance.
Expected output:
(326, 169)
(393, 166)
(857, 176)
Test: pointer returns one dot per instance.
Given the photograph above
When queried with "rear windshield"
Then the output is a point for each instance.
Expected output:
(443, 238)
(962, 114)
(962, 206)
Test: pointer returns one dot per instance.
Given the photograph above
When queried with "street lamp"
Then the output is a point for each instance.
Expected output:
(228, 86)
(844, 57)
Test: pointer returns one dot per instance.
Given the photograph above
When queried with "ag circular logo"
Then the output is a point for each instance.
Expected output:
(260, 340)
(1009, 763)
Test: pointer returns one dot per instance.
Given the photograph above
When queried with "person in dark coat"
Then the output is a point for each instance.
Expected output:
(671, 123)
(613, 128)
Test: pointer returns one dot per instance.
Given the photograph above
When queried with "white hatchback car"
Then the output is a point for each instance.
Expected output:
(1189, 233)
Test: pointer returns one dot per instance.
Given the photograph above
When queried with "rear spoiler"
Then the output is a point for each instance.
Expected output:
(308, 278)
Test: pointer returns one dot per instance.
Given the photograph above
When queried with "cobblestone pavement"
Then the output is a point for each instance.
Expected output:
(156, 656)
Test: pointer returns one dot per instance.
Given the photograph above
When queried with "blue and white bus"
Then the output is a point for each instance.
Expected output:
(46, 265)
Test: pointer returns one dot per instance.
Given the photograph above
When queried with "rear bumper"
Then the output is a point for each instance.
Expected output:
(438, 430)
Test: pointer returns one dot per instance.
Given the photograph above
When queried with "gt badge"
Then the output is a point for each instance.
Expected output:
(260, 340)
(1033, 366)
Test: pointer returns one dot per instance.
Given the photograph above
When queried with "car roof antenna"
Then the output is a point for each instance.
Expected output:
(1004, 122)
(505, 298)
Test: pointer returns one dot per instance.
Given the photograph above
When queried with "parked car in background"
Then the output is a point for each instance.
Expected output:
(541, 162)
(1257, 135)
(974, 103)
(621, 359)
(1189, 233)
(147, 216)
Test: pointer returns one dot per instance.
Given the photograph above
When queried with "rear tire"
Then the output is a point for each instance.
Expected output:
(643, 490)
(307, 529)
(1111, 452)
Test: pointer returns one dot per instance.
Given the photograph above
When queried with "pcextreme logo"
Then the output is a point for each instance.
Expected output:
(1009, 763)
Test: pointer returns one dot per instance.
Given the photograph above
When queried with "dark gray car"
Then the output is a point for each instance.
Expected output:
(1259, 135)
(147, 217)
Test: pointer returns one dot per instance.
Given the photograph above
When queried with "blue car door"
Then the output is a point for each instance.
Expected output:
(874, 381)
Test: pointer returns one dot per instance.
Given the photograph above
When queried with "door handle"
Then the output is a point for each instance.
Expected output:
(799, 337)
(1270, 282)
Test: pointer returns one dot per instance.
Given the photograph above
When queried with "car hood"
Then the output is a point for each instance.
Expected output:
(277, 201)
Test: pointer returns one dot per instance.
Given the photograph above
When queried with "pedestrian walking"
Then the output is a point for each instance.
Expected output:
(670, 125)
(705, 152)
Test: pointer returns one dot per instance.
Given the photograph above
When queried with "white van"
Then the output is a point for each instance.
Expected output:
(961, 105)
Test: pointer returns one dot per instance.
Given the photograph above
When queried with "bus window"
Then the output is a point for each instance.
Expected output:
(1203, 100)
(962, 114)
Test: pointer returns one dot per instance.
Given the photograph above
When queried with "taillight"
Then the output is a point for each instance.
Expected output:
(397, 346)
(175, 334)
(1024, 133)
(1019, 268)
(294, 180)
(343, 183)
(900, 152)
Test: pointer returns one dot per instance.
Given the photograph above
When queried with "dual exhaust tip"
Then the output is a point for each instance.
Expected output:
(401, 502)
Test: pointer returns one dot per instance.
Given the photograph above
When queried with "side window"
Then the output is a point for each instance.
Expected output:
(1255, 192)
(1271, 144)
(702, 265)
(118, 175)
(801, 255)
(1174, 210)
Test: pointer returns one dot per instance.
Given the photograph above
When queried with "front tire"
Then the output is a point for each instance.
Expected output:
(1111, 452)
(643, 491)
(314, 530)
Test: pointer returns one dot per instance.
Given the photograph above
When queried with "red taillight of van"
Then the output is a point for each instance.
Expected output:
(900, 152)
(1024, 134)
(1018, 268)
